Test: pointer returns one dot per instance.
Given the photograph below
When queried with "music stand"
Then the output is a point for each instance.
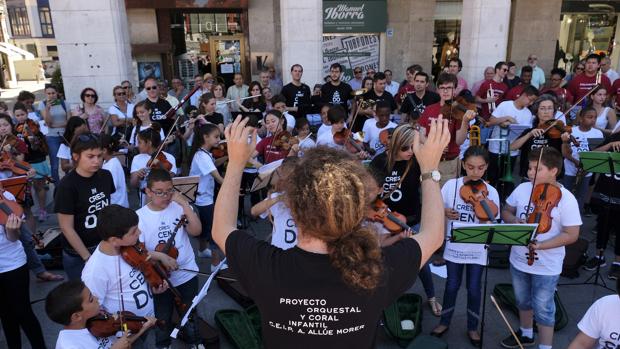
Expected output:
(186, 186)
(491, 234)
(606, 163)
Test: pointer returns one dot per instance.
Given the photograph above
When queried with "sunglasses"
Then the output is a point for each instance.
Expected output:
(125, 87)
(121, 94)
(161, 194)
(90, 95)
(504, 69)
(148, 88)
(85, 137)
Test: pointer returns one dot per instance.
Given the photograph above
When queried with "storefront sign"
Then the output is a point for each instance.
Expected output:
(351, 51)
(354, 16)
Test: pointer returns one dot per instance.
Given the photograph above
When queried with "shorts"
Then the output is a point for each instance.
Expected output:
(206, 219)
(42, 168)
(536, 292)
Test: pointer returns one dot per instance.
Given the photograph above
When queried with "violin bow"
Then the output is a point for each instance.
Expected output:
(506, 322)
(597, 84)
(529, 204)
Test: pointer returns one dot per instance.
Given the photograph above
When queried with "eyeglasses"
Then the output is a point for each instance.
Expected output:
(504, 69)
(148, 88)
(161, 194)
(121, 94)
(210, 81)
(85, 137)
(90, 95)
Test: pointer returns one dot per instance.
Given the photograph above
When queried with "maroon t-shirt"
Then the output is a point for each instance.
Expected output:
(581, 84)
(560, 92)
(514, 93)
(499, 89)
(270, 153)
(432, 111)
(615, 90)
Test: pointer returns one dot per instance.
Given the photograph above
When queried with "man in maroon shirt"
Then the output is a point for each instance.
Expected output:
(583, 83)
(526, 79)
(497, 85)
(446, 86)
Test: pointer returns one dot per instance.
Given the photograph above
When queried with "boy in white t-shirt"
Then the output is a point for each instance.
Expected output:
(373, 127)
(535, 284)
(162, 217)
(600, 324)
(71, 304)
(336, 116)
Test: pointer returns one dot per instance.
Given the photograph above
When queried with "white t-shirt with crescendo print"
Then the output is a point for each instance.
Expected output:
(566, 214)
(284, 233)
(119, 197)
(507, 108)
(139, 162)
(203, 164)
(101, 275)
(601, 322)
(82, 339)
(12, 252)
(371, 134)
(463, 253)
(157, 227)
(582, 137)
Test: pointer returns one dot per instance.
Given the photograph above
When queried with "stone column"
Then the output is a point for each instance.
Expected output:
(93, 46)
(302, 38)
(484, 36)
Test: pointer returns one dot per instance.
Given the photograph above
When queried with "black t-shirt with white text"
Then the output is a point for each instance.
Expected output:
(415, 106)
(158, 113)
(215, 118)
(385, 97)
(84, 197)
(533, 143)
(297, 96)
(302, 299)
(336, 95)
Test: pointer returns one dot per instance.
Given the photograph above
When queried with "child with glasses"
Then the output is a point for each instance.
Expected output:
(80, 195)
(157, 223)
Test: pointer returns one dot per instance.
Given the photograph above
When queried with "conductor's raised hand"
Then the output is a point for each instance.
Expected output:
(429, 154)
(241, 141)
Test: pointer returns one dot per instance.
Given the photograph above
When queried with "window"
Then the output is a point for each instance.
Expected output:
(20, 26)
(45, 16)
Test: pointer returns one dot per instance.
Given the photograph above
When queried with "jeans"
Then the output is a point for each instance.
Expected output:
(426, 277)
(32, 258)
(53, 143)
(474, 298)
(206, 219)
(73, 265)
(569, 183)
(605, 224)
(535, 292)
(164, 306)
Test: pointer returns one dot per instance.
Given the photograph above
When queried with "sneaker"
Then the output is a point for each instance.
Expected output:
(511, 342)
(614, 272)
(593, 262)
(205, 254)
(197, 346)
(42, 215)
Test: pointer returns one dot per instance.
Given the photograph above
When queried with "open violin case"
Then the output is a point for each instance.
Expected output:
(407, 307)
(241, 327)
(232, 287)
(506, 294)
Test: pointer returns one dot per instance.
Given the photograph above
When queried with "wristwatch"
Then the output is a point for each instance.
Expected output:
(435, 175)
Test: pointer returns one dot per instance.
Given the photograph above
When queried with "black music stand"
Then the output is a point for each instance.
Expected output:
(491, 234)
(187, 187)
(605, 163)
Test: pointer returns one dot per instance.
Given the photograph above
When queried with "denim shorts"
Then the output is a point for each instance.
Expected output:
(535, 292)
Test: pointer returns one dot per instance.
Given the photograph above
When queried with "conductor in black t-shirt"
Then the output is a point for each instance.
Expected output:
(330, 290)
(336, 92)
(297, 93)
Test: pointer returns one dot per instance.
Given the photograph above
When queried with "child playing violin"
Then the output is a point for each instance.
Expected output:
(336, 116)
(112, 164)
(71, 304)
(534, 283)
(284, 231)
(149, 140)
(373, 127)
(302, 129)
(206, 109)
(325, 123)
(142, 120)
(458, 256)
(157, 224)
(75, 127)
(118, 285)
(269, 148)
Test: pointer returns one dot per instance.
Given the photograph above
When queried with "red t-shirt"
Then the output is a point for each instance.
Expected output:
(269, 152)
(402, 92)
(432, 111)
(560, 92)
(499, 89)
(581, 84)
(615, 90)
(514, 93)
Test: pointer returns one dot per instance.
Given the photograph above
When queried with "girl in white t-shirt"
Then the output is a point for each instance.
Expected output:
(204, 165)
(75, 127)
(142, 120)
(302, 128)
(459, 256)
(112, 164)
(284, 231)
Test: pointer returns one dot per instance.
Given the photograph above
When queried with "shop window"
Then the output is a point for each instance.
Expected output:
(18, 17)
(447, 34)
(582, 34)
(45, 16)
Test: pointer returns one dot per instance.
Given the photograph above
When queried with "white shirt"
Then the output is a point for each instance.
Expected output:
(290, 121)
(371, 134)
(601, 322)
(507, 108)
(202, 165)
(133, 139)
(139, 162)
(157, 227)
(612, 75)
(116, 110)
(119, 197)
(461, 252)
(582, 137)
(566, 214)
(195, 98)
(392, 88)
(82, 339)
(601, 119)
(327, 139)
(101, 275)
(322, 129)
(64, 152)
(284, 231)
(12, 252)
(304, 145)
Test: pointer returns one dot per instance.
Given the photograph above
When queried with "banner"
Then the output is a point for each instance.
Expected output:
(354, 16)
(351, 51)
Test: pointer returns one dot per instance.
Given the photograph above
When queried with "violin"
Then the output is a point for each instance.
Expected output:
(394, 222)
(284, 140)
(555, 129)
(8, 207)
(30, 128)
(168, 247)
(9, 163)
(545, 197)
(162, 162)
(476, 194)
(106, 324)
(220, 150)
(457, 108)
(349, 140)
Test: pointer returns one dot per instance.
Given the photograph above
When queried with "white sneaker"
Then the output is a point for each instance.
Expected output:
(205, 254)
(197, 346)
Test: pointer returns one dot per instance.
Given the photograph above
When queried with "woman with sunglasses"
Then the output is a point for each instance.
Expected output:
(579, 68)
(55, 113)
(121, 112)
(131, 96)
(80, 195)
(94, 115)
